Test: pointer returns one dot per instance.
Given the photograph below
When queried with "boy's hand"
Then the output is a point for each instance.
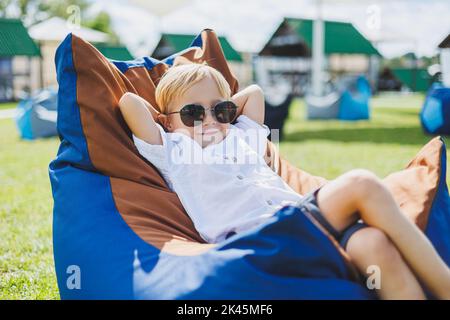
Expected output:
(250, 102)
(139, 118)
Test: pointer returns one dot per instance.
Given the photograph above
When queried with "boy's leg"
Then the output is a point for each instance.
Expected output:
(371, 247)
(360, 194)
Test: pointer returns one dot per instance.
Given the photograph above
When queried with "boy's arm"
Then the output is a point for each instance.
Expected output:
(250, 102)
(152, 110)
(139, 118)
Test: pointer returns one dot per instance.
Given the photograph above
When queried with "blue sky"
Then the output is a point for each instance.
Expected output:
(397, 26)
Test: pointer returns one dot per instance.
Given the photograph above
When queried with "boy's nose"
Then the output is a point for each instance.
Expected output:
(209, 118)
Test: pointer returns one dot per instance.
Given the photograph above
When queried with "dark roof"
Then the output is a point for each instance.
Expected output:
(172, 43)
(15, 40)
(114, 52)
(445, 43)
(294, 37)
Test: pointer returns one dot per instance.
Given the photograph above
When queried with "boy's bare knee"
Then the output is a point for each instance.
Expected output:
(362, 182)
(361, 176)
(372, 246)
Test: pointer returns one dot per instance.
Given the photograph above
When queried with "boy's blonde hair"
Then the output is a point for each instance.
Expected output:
(178, 79)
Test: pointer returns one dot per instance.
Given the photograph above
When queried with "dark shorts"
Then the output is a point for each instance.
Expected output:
(309, 204)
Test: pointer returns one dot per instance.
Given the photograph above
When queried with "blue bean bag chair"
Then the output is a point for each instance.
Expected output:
(36, 115)
(348, 100)
(435, 113)
(355, 99)
(120, 233)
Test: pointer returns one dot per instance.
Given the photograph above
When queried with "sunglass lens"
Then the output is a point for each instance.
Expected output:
(225, 111)
(192, 113)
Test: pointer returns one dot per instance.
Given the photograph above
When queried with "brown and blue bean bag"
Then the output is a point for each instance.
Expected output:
(120, 233)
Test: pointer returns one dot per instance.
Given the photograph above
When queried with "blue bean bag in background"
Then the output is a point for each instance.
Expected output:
(346, 100)
(435, 113)
(355, 98)
(36, 115)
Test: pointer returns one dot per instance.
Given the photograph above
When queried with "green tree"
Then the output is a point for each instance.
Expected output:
(55, 8)
(21, 5)
(3, 5)
(35, 11)
(102, 22)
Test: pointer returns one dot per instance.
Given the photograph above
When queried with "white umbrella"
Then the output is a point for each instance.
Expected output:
(56, 29)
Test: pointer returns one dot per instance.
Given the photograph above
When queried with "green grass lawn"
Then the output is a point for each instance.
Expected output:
(326, 148)
(385, 143)
(26, 261)
(7, 105)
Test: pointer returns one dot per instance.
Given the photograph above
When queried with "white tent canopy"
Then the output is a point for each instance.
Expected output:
(56, 29)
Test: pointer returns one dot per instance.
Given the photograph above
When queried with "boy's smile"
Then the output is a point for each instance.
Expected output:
(210, 131)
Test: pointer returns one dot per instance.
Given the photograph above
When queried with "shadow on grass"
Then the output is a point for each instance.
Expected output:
(402, 112)
(403, 135)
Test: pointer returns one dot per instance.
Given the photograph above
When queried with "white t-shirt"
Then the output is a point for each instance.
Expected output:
(224, 187)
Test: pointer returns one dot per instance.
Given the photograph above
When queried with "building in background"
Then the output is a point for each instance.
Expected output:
(18, 53)
(444, 58)
(413, 79)
(407, 73)
(287, 54)
(49, 34)
(240, 63)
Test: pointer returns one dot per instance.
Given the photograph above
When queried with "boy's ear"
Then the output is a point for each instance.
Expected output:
(164, 120)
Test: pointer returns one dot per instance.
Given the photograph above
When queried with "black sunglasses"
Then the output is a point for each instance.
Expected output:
(193, 114)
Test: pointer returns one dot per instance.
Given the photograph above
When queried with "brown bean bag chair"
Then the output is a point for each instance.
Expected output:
(116, 219)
